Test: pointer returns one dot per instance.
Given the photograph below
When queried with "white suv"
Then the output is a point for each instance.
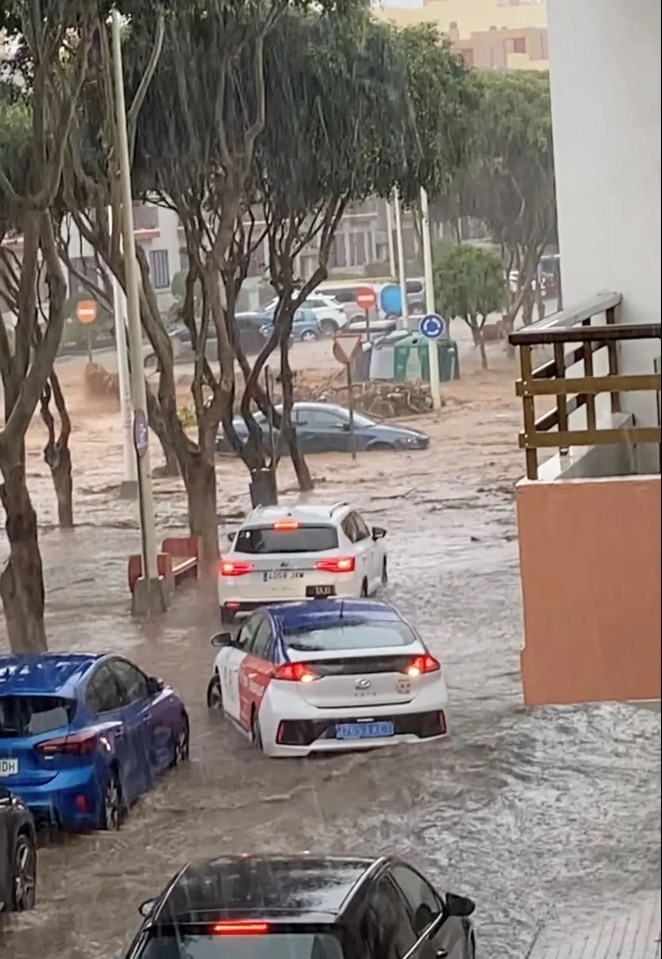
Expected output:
(287, 554)
(329, 313)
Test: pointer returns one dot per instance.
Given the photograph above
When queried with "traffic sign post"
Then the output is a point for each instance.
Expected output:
(432, 326)
(86, 314)
(345, 348)
(367, 299)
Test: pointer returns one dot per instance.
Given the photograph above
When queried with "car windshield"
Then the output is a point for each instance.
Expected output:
(305, 539)
(290, 945)
(351, 634)
(31, 715)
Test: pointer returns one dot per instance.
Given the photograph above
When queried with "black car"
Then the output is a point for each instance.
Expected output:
(324, 428)
(18, 854)
(303, 907)
(250, 337)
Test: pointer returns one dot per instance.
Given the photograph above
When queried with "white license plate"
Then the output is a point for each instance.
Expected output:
(281, 574)
(8, 767)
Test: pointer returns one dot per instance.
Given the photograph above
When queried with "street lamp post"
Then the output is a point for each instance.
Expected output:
(149, 595)
(402, 272)
(429, 299)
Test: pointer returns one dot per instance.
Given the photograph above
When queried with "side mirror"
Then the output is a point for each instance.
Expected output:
(221, 639)
(459, 906)
(345, 427)
(154, 685)
(378, 532)
(5, 796)
(146, 908)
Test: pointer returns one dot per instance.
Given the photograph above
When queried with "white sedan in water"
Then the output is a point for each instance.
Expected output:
(285, 554)
(325, 676)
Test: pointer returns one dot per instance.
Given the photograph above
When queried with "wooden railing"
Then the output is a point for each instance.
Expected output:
(561, 331)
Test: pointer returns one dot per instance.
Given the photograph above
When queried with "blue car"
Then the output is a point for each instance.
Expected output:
(82, 736)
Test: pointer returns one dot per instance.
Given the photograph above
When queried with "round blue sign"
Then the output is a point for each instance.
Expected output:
(432, 326)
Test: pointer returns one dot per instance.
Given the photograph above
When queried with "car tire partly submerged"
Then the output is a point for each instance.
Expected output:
(112, 811)
(215, 694)
(24, 874)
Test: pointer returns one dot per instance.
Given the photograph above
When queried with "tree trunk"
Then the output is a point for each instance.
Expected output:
(158, 425)
(200, 483)
(481, 346)
(22, 579)
(63, 484)
(304, 479)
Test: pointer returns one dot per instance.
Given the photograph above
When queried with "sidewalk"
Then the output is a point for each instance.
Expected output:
(629, 934)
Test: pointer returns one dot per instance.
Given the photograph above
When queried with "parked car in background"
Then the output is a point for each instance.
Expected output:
(326, 309)
(324, 428)
(304, 907)
(250, 337)
(84, 735)
(305, 326)
(18, 852)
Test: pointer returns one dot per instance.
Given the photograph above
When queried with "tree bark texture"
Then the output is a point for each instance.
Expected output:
(57, 454)
(200, 482)
(21, 581)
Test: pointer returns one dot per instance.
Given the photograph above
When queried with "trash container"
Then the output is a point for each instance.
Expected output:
(412, 359)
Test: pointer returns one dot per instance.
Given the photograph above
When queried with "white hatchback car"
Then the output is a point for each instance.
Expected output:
(325, 676)
(328, 312)
(285, 554)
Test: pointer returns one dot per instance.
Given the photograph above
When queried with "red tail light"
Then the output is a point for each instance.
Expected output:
(286, 524)
(423, 664)
(231, 567)
(240, 928)
(295, 673)
(77, 744)
(337, 564)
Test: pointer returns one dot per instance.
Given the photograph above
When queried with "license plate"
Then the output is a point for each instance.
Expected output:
(363, 730)
(281, 574)
(319, 591)
(8, 767)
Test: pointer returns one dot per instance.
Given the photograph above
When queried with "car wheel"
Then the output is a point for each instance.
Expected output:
(308, 335)
(328, 327)
(364, 589)
(112, 804)
(24, 874)
(181, 744)
(215, 694)
(256, 732)
(379, 446)
(385, 572)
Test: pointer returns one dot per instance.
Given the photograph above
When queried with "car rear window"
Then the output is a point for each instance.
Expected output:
(350, 635)
(289, 945)
(305, 539)
(31, 715)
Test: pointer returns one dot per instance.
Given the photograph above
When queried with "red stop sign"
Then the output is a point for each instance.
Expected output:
(365, 298)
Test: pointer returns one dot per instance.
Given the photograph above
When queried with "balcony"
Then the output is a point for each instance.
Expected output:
(589, 515)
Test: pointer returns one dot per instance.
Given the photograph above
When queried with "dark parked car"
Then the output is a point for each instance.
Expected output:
(323, 428)
(303, 907)
(305, 325)
(250, 337)
(18, 854)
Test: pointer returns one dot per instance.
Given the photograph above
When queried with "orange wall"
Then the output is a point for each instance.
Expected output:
(590, 566)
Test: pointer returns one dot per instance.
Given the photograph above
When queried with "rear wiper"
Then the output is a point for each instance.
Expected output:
(305, 647)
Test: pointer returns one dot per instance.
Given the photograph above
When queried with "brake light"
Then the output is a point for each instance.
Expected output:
(295, 673)
(240, 928)
(230, 567)
(423, 664)
(337, 564)
(285, 524)
(77, 744)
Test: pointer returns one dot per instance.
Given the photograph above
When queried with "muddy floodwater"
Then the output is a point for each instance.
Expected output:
(543, 816)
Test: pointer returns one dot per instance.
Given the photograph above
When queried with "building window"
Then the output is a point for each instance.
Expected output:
(159, 269)
(357, 251)
(519, 45)
(337, 256)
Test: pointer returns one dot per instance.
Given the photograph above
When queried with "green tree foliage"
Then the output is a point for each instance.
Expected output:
(509, 183)
(469, 283)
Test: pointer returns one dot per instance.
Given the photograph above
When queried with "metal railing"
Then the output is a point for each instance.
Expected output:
(573, 326)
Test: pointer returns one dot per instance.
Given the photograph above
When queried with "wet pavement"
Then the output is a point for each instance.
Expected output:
(533, 813)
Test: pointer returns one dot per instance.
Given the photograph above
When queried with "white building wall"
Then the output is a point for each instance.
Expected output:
(605, 83)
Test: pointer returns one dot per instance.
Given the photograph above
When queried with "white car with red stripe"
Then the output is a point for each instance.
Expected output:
(331, 675)
(286, 554)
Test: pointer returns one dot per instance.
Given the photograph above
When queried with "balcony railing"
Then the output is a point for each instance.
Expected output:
(575, 340)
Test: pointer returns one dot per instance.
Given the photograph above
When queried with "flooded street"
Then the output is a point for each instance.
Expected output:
(540, 815)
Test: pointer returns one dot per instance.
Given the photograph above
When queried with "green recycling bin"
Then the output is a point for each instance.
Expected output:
(411, 360)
